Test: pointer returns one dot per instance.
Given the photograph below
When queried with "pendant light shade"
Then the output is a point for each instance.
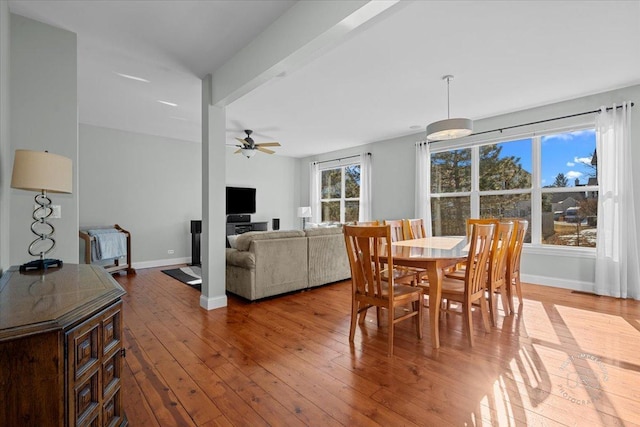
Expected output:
(449, 128)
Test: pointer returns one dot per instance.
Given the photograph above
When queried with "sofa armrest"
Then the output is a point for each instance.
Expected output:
(280, 265)
(244, 259)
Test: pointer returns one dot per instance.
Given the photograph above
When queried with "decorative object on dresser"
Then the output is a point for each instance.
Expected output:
(43, 172)
(112, 243)
(61, 347)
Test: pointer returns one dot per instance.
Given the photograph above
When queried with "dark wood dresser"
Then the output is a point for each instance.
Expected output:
(61, 348)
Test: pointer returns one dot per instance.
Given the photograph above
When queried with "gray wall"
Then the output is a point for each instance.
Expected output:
(5, 147)
(147, 184)
(393, 183)
(44, 116)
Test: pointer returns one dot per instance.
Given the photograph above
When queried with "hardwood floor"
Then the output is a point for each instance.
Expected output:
(566, 359)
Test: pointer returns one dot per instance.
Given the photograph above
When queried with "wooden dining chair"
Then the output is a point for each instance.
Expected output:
(369, 287)
(414, 229)
(513, 261)
(397, 234)
(473, 287)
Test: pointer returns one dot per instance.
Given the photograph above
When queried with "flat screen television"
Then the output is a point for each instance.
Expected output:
(241, 200)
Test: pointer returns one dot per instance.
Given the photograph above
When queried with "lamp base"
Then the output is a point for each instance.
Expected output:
(40, 264)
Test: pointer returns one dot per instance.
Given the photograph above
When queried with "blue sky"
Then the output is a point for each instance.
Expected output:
(564, 153)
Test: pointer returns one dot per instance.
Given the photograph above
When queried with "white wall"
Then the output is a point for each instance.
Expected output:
(44, 116)
(147, 184)
(5, 146)
(393, 183)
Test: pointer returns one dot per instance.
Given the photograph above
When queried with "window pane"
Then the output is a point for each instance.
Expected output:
(351, 210)
(451, 171)
(569, 159)
(505, 166)
(570, 219)
(508, 206)
(449, 215)
(330, 211)
(352, 181)
(331, 184)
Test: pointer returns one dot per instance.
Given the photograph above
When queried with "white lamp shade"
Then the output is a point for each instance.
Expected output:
(449, 129)
(248, 152)
(40, 170)
(304, 212)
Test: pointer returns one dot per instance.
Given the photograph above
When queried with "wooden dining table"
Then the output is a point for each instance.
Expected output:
(433, 254)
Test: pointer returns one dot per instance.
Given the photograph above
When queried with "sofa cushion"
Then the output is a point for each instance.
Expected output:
(244, 241)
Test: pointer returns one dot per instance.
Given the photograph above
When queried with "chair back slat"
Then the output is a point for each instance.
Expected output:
(414, 229)
(397, 229)
(479, 248)
(515, 248)
(499, 251)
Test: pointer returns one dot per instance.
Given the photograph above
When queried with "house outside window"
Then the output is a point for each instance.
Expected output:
(340, 193)
(549, 180)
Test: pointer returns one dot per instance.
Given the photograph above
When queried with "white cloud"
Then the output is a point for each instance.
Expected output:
(573, 174)
(583, 160)
(569, 135)
(571, 164)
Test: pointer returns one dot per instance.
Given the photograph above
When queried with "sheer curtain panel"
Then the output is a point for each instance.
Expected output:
(423, 185)
(617, 262)
(314, 191)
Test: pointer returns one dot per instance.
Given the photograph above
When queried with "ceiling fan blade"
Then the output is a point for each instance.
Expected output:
(239, 150)
(265, 150)
(242, 141)
(268, 144)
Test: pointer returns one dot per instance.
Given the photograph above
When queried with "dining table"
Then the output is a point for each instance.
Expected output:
(434, 254)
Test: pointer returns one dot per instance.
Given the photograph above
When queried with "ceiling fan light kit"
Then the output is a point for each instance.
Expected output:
(249, 146)
(449, 128)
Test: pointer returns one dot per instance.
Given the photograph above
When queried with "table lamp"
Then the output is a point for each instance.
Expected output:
(304, 212)
(43, 172)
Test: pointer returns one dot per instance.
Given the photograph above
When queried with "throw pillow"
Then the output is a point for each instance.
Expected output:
(232, 240)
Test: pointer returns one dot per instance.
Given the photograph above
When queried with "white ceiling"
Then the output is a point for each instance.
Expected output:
(377, 84)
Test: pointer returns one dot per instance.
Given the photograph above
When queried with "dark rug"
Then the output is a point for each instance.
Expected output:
(191, 276)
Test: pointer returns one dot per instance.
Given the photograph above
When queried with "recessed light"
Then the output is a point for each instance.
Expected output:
(416, 127)
(130, 77)
(172, 104)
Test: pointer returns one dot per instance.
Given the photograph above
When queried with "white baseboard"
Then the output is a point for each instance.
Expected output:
(574, 285)
(213, 302)
(160, 263)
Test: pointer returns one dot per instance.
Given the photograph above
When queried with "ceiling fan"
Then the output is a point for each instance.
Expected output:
(249, 146)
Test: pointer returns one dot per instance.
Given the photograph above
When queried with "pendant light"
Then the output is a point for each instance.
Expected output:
(449, 128)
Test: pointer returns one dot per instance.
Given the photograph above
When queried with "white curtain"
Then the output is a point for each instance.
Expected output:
(617, 262)
(364, 212)
(314, 191)
(423, 185)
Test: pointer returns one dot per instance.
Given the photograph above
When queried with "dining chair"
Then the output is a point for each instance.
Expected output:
(473, 287)
(458, 271)
(414, 229)
(397, 234)
(513, 261)
(365, 246)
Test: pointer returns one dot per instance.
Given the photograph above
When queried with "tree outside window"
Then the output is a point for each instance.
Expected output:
(340, 194)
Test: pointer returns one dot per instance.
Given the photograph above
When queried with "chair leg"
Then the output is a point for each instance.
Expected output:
(391, 327)
(505, 301)
(420, 319)
(468, 322)
(485, 313)
(493, 307)
(519, 288)
(509, 287)
(354, 317)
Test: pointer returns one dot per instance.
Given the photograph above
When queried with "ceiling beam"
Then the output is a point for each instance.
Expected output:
(304, 32)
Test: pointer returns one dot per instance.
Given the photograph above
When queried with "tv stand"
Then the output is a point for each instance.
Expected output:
(244, 227)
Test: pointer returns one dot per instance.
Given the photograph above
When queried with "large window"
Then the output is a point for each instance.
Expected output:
(550, 180)
(340, 194)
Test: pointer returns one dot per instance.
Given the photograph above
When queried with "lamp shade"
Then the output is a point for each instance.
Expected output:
(449, 129)
(248, 152)
(304, 212)
(41, 170)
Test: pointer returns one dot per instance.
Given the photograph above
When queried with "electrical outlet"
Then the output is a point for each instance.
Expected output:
(170, 251)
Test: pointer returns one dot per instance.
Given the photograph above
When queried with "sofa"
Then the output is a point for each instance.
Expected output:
(264, 264)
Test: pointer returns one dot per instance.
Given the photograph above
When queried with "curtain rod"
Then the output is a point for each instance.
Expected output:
(543, 121)
(340, 159)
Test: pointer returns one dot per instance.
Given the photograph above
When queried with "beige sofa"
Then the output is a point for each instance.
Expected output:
(265, 264)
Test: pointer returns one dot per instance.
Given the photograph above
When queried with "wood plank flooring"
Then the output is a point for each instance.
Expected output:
(565, 359)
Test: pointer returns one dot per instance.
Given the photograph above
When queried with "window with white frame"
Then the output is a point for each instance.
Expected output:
(549, 179)
(340, 193)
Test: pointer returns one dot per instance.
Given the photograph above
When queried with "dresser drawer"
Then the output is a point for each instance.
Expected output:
(111, 329)
(87, 400)
(111, 373)
(83, 342)
(111, 411)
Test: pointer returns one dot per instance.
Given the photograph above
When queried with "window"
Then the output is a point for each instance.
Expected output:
(340, 194)
(550, 180)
